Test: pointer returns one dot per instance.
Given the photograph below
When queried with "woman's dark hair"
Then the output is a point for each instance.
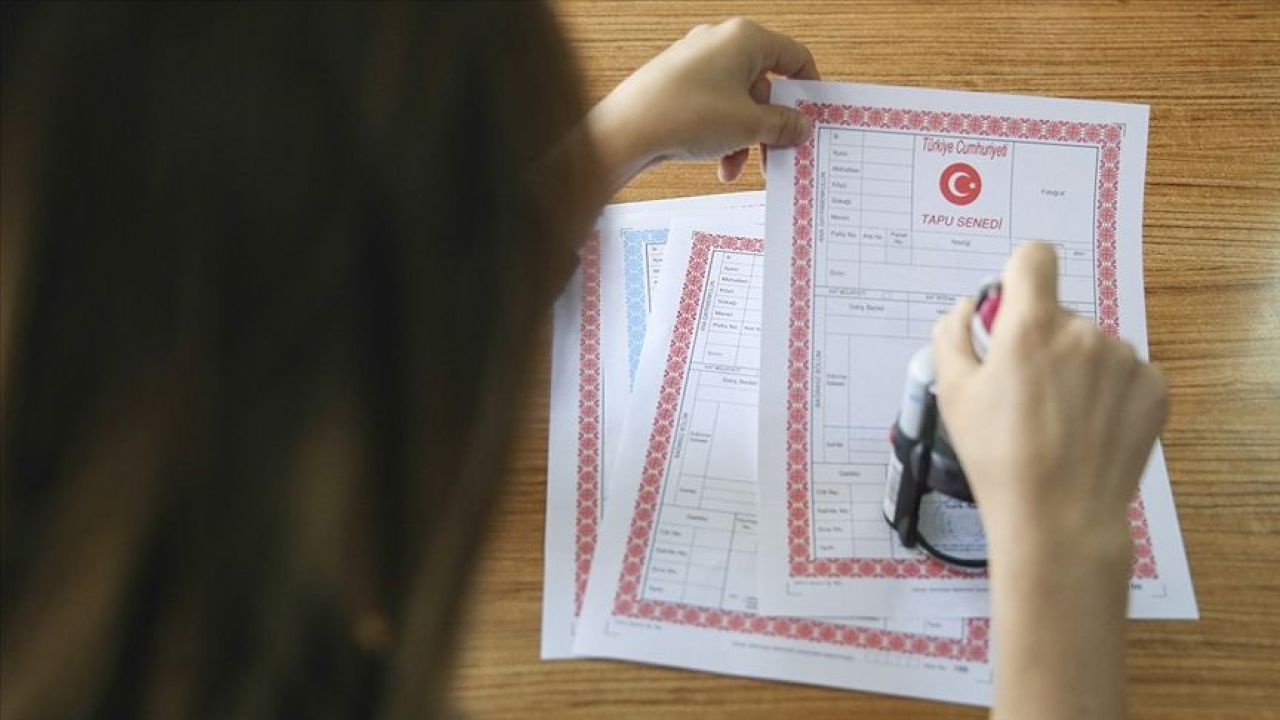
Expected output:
(273, 273)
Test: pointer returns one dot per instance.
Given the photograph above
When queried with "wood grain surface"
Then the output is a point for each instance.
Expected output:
(1211, 74)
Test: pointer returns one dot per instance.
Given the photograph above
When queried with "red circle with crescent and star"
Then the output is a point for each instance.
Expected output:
(960, 183)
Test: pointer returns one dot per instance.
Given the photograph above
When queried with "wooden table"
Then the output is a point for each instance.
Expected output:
(1211, 74)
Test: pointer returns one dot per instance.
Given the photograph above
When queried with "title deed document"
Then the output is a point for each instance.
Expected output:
(903, 200)
(597, 334)
(673, 580)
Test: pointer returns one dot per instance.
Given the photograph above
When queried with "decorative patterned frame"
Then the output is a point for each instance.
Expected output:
(1106, 137)
(590, 397)
(628, 603)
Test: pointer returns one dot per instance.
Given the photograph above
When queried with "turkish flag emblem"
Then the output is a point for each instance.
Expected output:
(960, 183)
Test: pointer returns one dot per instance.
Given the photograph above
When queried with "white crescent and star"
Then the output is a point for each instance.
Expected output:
(961, 184)
(954, 181)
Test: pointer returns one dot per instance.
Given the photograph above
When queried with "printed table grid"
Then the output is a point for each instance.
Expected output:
(706, 523)
(678, 583)
(866, 241)
(868, 255)
(1102, 143)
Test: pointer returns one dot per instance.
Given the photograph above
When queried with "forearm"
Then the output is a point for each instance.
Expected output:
(621, 148)
(1060, 630)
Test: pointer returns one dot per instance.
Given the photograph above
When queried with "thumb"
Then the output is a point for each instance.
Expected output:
(782, 126)
(953, 358)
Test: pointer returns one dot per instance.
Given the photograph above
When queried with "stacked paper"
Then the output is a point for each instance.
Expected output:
(724, 379)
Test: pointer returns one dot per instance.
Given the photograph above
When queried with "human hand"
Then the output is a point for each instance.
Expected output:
(1054, 427)
(705, 96)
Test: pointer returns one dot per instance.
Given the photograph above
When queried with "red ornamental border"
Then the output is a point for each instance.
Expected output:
(1105, 136)
(589, 398)
(629, 603)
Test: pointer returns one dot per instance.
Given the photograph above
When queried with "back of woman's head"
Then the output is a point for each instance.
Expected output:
(270, 277)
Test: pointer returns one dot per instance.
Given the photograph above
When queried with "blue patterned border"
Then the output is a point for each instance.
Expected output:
(635, 283)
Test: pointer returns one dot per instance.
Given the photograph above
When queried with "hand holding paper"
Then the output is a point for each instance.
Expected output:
(705, 96)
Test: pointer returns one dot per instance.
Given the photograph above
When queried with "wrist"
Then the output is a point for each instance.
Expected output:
(1059, 614)
(620, 143)
(1027, 527)
(1103, 548)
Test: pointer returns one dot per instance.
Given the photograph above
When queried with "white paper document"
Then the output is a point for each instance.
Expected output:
(598, 331)
(903, 200)
(673, 581)
(634, 238)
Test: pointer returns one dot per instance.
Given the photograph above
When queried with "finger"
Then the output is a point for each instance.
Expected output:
(1030, 280)
(1155, 389)
(953, 358)
(731, 165)
(761, 89)
(1146, 413)
(784, 56)
(782, 126)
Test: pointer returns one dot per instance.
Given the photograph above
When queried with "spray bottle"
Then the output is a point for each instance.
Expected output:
(927, 499)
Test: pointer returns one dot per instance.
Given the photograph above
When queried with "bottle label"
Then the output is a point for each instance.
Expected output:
(891, 486)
